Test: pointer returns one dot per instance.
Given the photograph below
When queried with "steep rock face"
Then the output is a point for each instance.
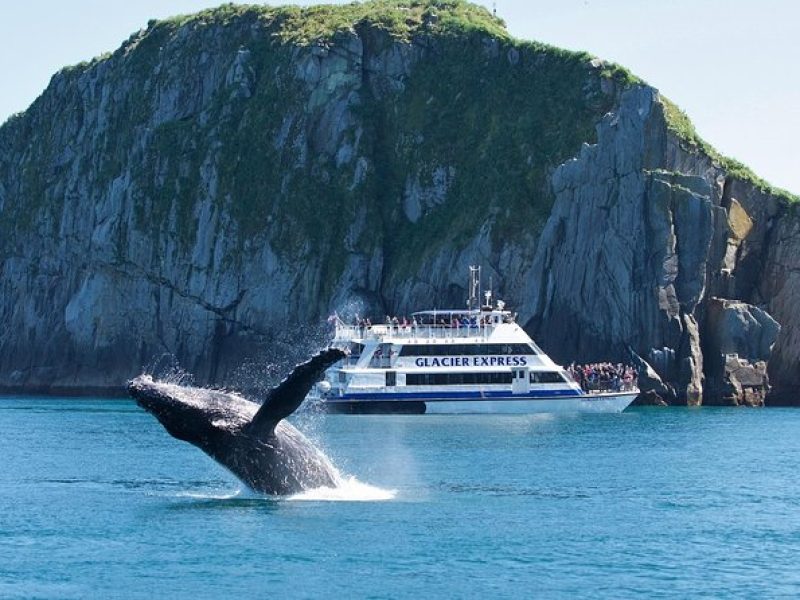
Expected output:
(219, 184)
(738, 343)
(642, 234)
(780, 286)
(623, 258)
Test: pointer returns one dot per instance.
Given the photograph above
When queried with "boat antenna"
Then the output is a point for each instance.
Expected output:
(474, 286)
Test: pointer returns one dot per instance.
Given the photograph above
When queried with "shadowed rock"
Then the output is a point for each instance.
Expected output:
(252, 441)
(739, 342)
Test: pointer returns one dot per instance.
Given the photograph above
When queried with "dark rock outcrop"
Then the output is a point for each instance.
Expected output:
(738, 343)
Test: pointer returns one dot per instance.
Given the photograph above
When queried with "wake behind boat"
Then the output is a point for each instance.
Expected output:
(477, 360)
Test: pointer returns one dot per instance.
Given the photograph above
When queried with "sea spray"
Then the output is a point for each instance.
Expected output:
(347, 489)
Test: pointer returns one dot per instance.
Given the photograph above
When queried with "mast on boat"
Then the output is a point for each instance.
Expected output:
(473, 302)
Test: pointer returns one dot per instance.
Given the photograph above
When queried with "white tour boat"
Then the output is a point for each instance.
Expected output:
(477, 360)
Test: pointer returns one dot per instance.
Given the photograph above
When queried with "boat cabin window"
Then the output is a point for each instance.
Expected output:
(546, 377)
(391, 378)
(464, 349)
(382, 357)
(458, 378)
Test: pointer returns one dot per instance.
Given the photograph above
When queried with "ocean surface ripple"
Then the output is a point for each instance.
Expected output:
(97, 501)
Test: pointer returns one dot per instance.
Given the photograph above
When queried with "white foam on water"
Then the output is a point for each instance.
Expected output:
(349, 489)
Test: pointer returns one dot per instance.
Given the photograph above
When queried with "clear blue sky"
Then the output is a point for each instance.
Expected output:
(731, 64)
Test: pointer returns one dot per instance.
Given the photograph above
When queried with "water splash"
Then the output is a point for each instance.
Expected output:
(165, 368)
(348, 489)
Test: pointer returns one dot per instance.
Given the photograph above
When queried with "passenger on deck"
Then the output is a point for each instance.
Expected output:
(604, 377)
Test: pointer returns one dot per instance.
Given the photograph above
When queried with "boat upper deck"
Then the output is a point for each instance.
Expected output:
(441, 326)
(401, 333)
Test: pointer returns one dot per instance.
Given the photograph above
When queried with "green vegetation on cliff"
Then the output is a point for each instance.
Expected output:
(436, 102)
(679, 122)
(500, 115)
(495, 113)
(402, 19)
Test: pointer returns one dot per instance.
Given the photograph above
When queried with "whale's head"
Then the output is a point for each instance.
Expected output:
(193, 415)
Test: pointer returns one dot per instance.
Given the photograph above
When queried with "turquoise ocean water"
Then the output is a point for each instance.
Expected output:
(96, 500)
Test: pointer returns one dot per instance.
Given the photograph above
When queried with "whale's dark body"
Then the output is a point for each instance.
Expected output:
(252, 441)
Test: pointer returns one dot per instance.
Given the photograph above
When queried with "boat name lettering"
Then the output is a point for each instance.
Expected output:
(472, 361)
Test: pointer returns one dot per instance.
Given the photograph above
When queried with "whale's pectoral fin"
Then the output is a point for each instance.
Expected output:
(284, 399)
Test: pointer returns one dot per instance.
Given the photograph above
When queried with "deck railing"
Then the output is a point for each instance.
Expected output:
(377, 332)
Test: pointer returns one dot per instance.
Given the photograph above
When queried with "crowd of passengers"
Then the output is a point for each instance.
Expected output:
(403, 323)
(604, 376)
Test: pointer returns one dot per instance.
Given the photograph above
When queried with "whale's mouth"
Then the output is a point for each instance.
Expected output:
(180, 418)
(144, 390)
(149, 404)
(147, 396)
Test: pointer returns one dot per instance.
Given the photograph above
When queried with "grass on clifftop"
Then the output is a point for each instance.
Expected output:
(682, 126)
(400, 18)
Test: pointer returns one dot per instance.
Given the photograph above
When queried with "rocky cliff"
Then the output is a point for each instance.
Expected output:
(223, 181)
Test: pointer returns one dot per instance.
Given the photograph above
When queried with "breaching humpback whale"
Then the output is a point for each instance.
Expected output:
(252, 441)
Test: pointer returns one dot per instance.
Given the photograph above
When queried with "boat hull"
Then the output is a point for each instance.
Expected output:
(588, 403)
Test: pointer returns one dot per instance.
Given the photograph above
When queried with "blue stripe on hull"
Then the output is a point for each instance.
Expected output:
(487, 395)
